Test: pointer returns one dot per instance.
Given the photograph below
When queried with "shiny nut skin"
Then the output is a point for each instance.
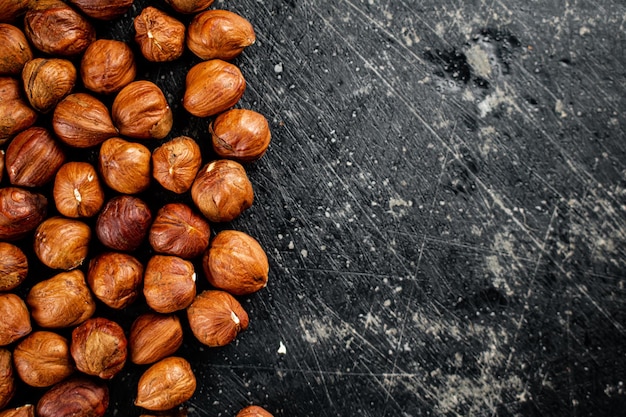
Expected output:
(219, 34)
(240, 134)
(42, 359)
(216, 318)
(253, 411)
(160, 37)
(107, 66)
(77, 191)
(236, 262)
(212, 87)
(222, 190)
(81, 121)
(61, 301)
(177, 230)
(76, 397)
(189, 6)
(99, 347)
(154, 337)
(13, 267)
(15, 322)
(20, 212)
(27, 410)
(115, 278)
(62, 243)
(33, 157)
(125, 166)
(123, 223)
(140, 110)
(166, 384)
(7, 378)
(169, 283)
(175, 164)
(13, 9)
(14, 50)
(47, 81)
(103, 9)
(15, 114)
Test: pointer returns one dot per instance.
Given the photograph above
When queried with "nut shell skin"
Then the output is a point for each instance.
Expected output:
(77, 191)
(253, 411)
(14, 50)
(27, 410)
(219, 34)
(62, 243)
(76, 397)
(115, 278)
(7, 378)
(107, 66)
(15, 322)
(240, 134)
(125, 166)
(13, 9)
(80, 120)
(99, 347)
(13, 268)
(189, 6)
(166, 384)
(47, 81)
(103, 9)
(15, 114)
(154, 337)
(169, 283)
(177, 230)
(42, 359)
(216, 318)
(21, 211)
(160, 37)
(175, 164)
(123, 223)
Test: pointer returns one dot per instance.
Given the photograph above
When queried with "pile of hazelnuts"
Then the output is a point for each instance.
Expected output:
(56, 78)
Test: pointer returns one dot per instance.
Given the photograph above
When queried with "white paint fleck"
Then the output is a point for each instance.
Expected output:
(304, 253)
(291, 245)
(478, 59)
(282, 349)
(278, 68)
(559, 108)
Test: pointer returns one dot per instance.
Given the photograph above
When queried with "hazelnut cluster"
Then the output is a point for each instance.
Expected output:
(66, 93)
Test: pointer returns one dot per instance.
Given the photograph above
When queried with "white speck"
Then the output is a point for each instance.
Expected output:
(584, 31)
(387, 303)
(304, 253)
(291, 245)
(282, 349)
(278, 68)
(234, 317)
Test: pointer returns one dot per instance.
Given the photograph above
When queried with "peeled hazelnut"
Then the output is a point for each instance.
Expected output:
(15, 114)
(62, 243)
(47, 81)
(13, 267)
(107, 66)
(154, 337)
(222, 190)
(161, 37)
(240, 134)
(103, 9)
(75, 397)
(99, 347)
(27, 410)
(254, 411)
(178, 231)
(81, 121)
(14, 50)
(236, 262)
(219, 34)
(33, 157)
(140, 110)
(7, 378)
(125, 166)
(189, 6)
(12, 9)
(61, 301)
(169, 283)
(43, 359)
(115, 278)
(15, 322)
(20, 212)
(216, 317)
(123, 223)
(175, 164)
(166, 384)
(77, 191)
(212, 87)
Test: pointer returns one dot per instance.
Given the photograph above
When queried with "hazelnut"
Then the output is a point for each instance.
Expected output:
(189, 6)
(125, 166)
(107, 66)
(15, 114)
(77, 397)
(33, 157)
(20, 212)
(178, 231)
(175, 164)
(236, 262)
(212, 87)
(140, 110)
(169, 283)
(161, 37)
(166, 384)
(103, 9)
(27, 410)
(2, 154)
(47, 81)
(77, 191)
(62, 243)
(99, 347)
(43, 359)
(222, 190)
(15, 322)
(7, 378)
(123, 223)
(219, 34)
(216, 317)
(14, 50)
(154, 337)
(13, 268)
(115, 278)
(81, 121)
(253, 411)
(240, 134)
(61, 301)
(13, 9)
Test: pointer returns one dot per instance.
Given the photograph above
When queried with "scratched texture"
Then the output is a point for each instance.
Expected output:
(443, 205)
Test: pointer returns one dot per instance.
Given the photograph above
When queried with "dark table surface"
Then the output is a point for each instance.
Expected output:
(443, 205)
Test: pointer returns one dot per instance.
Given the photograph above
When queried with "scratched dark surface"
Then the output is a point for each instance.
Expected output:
(443, 205)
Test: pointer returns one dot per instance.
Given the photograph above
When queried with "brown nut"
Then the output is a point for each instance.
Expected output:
(140, 110)
(216, 318)
(14, 50)
(175, 164)
(212, 87)
(13, 9)
(125, 166)
(13, 268)
(76, 397)
(222, 190)
(107, 66)
(33, 157)
(61, 301)
(15, 114)
(219, 34)
(15, 322)
(27, 410)
(2, 154)
(62, 243)
(169, 283)
(47, 81)
(240, 134)
(166, 384)
(253, 411)
(42, 359)
(99, 347)
(189, 6)
(103, 9)
(161, 37)
(81, 121)
(154, 337)
(123, 223)
(7, 378)
(236, 262)
(115, 278)
(178, 231)
(77, 191)
(20, 212)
